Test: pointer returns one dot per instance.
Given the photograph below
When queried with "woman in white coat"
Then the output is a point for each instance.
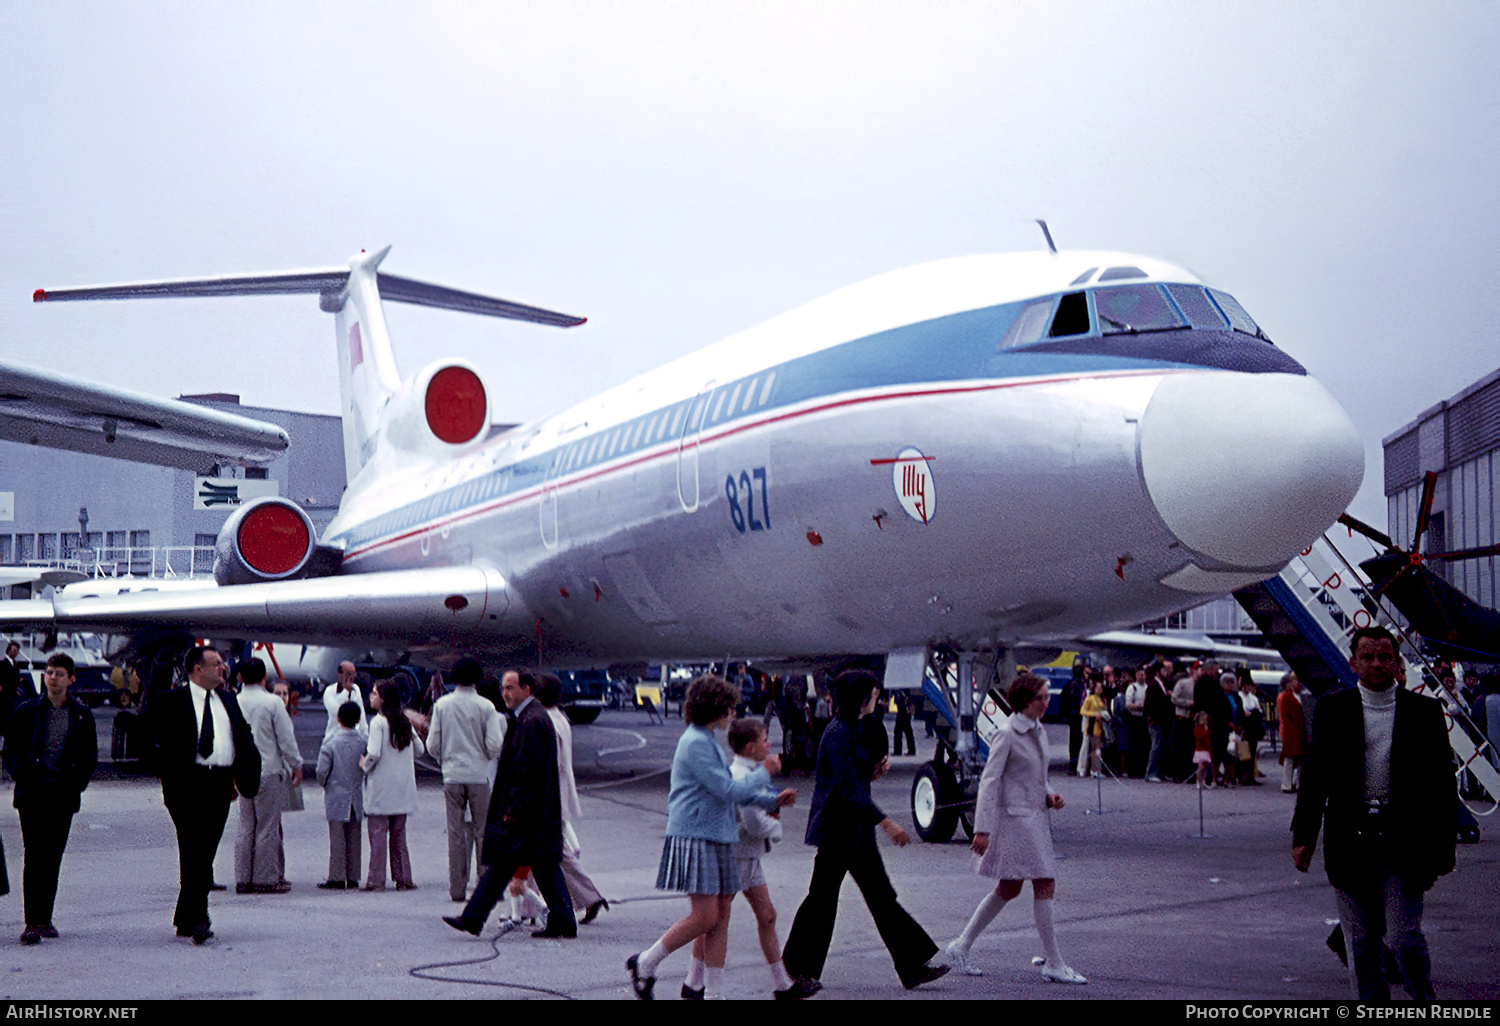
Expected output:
(1012, 838)
(390, 786)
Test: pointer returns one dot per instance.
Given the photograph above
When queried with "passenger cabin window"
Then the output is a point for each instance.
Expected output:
(1132, 308)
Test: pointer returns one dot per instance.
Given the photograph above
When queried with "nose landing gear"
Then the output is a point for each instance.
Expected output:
(969, 713)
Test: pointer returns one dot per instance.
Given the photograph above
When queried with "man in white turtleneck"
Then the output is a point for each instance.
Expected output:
(1379, 777)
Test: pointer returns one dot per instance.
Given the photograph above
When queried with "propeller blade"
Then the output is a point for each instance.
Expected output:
(1460, 554)
(1429, 488)
(1366, 530)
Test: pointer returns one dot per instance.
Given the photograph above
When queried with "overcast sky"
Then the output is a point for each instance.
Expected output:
(677, 172)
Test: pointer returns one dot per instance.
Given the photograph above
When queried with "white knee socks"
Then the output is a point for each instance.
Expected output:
(1043, 911)
(988, 909)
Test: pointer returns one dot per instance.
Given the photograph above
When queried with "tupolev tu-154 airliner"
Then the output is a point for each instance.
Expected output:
(968, 453)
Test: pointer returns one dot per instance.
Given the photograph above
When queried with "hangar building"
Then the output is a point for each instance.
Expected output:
(112, 516)
(1459, 439)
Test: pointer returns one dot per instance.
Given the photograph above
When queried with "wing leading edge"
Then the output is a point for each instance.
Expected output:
(414, 608)
(58, 411)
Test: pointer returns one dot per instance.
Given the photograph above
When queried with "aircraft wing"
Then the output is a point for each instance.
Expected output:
(1201, 646)
(40, 576)
(41, 407)
(414, 608)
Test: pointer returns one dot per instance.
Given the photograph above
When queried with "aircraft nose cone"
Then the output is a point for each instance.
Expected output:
(1248, 469)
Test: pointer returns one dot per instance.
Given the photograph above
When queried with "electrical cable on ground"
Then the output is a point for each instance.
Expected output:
(422, 972)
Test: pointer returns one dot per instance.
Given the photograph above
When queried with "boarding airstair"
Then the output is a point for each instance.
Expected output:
(1307, 613)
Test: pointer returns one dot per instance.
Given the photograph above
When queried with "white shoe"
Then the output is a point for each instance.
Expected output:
(960, 960)
(1061, 974)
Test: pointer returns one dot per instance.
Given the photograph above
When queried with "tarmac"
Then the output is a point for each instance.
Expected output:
(1146, 908)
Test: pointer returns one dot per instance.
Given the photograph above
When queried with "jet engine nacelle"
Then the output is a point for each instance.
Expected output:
(268, 539)
(442, 410)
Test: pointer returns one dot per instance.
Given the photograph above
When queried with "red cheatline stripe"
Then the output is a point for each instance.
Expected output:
(900, 459)
(671, 448)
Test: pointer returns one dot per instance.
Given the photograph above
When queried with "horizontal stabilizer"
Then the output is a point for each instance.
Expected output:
(406, 290)
(328, 283)
(58, 411)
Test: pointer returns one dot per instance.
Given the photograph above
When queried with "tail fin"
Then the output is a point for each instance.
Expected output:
(367, 366)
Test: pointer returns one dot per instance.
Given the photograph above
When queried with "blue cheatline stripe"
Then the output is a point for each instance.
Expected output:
(1326, 647)
(958, 347)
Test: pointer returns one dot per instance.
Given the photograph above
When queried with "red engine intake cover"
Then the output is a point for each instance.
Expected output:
(273, 539)
(456, 407)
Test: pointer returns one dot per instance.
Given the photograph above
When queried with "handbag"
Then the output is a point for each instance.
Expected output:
(294, 802)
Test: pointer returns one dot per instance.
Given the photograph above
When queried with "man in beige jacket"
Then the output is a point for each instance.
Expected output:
(466, 733)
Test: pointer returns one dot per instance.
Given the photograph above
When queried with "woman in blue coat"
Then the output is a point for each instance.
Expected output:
(698, 856)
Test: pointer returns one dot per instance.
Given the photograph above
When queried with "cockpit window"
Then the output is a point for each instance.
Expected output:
(1200, 310)
(1029, 326)
(1072, 316)
(1119, 273)
(1239, 320)
(1083, 277)
(1133, 308)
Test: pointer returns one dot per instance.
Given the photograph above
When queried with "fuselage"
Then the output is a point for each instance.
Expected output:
(979, 450)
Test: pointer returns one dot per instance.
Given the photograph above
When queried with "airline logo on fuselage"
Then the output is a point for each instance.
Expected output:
(912, 478)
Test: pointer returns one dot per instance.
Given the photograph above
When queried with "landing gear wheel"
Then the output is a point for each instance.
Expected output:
(932, 795)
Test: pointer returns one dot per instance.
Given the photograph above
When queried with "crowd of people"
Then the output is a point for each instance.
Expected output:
(505, 750)
(510, 792)
(1158, 723)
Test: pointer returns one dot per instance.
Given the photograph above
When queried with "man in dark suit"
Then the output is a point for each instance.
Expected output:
(1379, 777)
(524, 826)
(842, 823)
(204, 749)
(12, 691)
(51, 750)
